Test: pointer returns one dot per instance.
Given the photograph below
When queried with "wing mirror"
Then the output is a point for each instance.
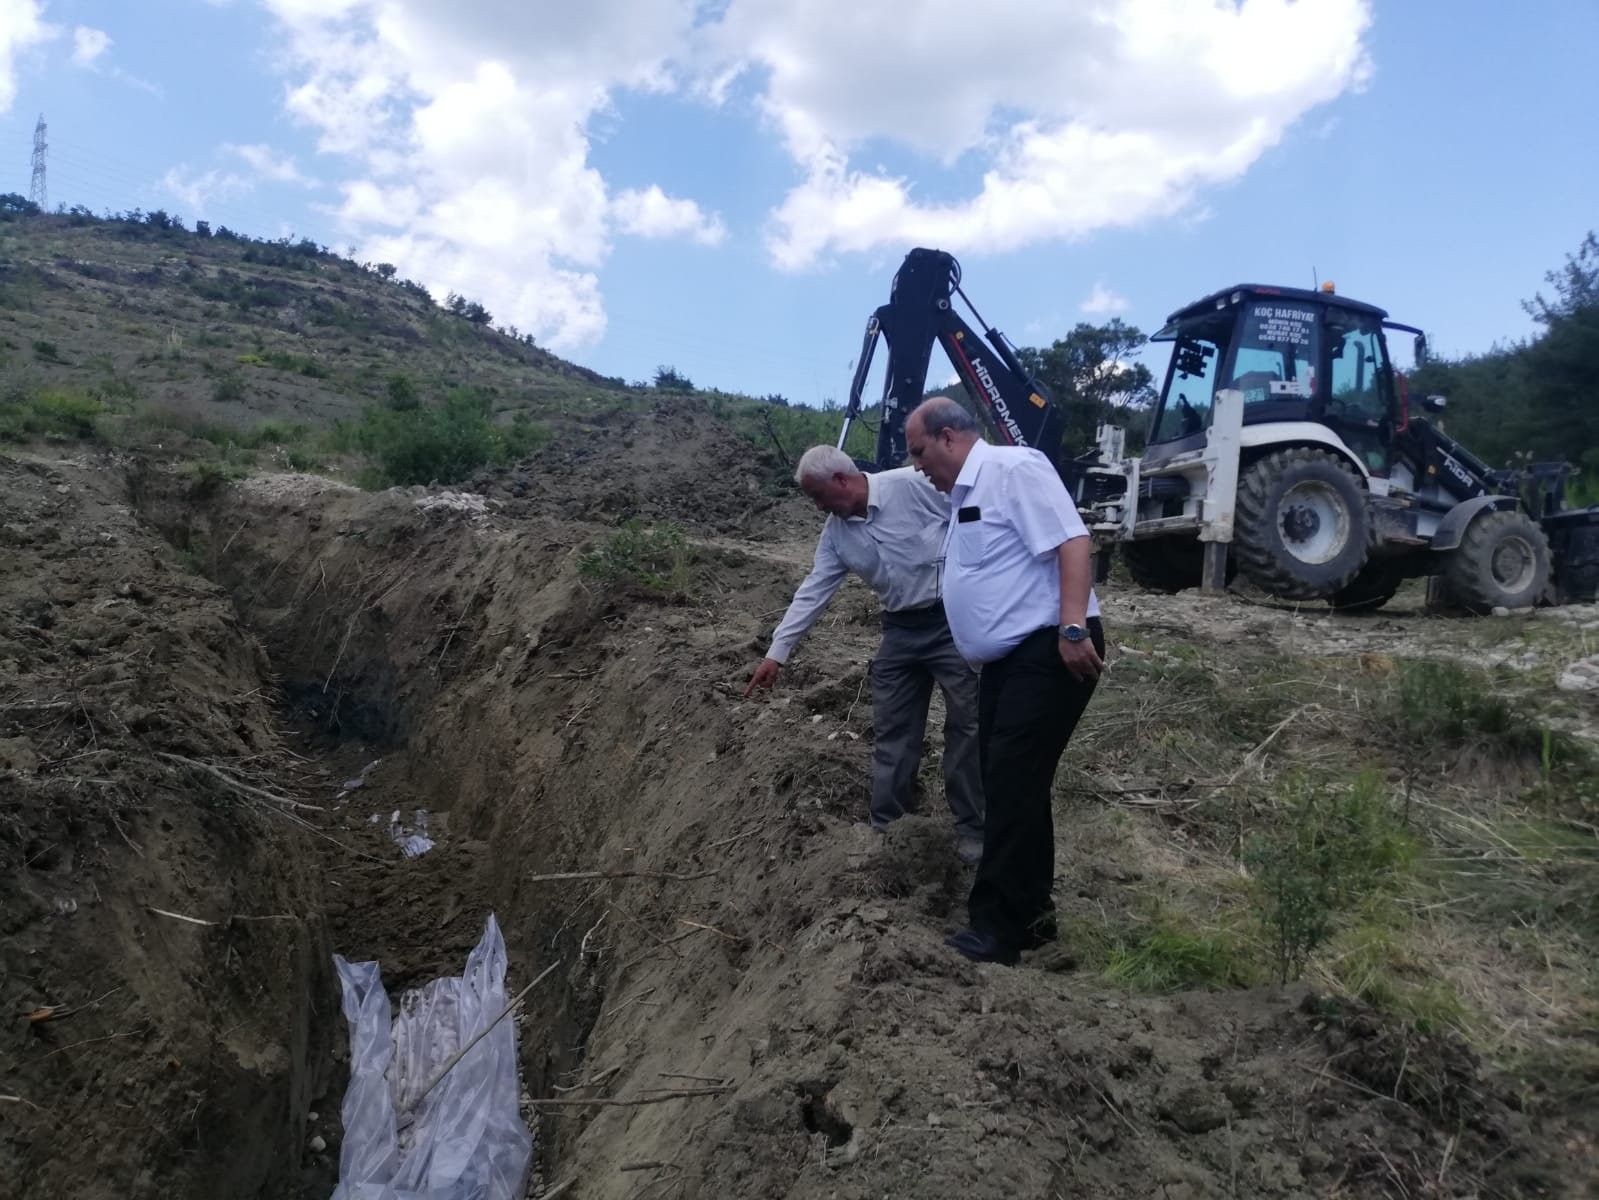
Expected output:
(1434, 404)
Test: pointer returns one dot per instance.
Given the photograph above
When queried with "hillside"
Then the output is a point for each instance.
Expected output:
(1327, 883)
(234, 332)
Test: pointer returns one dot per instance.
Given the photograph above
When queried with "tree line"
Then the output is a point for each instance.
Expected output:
(1537, 399)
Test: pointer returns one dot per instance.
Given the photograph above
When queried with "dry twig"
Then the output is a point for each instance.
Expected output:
(110, 1037)
(647, 932)
(634, 1102)
(737, 837)
(559, 875)
(633, 999)
(456, 627)
(257, 793)
(461, 1053)
(1253, 756)
(710, 929)
(178, 916)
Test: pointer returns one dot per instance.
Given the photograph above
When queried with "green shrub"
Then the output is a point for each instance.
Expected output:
(58, 412)
(1460, 710)
(210, 477)
(1371, 964)
(1163, 958)
(229, 388)
(657, 558)
(524, 436)
(118, 387)
(401, 394)
(1332, 846)
(789, 431)
(1444, 701)
(443, 443)
(47, 350)
(274, 433)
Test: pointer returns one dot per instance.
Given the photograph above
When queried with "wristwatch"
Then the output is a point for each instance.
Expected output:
(1073, 633)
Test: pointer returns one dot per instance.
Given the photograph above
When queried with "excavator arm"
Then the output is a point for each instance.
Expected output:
(1015, 407)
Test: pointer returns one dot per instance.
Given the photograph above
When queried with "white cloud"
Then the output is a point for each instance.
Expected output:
(464, 130)
(1102, 302)
(88, 45)
(1080, 116)
(652, 213)
(22, 26)
(270, 166)
(196, 190)
(466, 133)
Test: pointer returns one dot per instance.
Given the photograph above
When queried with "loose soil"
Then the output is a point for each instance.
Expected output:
(181, 670)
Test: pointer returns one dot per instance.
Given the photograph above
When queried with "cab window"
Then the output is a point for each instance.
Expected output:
(1359, 383)
(1190, 385)
(1275, 358)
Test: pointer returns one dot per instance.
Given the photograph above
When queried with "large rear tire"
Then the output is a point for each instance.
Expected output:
(1501, 562)
(1300, 530)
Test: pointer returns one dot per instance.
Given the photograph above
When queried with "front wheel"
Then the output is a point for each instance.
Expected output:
(1501, 562)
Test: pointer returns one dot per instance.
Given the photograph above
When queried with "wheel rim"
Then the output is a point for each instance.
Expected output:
(1313, 522)
(1513, 565)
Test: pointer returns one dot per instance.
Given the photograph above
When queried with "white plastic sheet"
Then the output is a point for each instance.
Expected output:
(412, 842)
(466, 1140)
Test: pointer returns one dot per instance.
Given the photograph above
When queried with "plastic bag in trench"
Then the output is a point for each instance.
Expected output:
(466, 1140)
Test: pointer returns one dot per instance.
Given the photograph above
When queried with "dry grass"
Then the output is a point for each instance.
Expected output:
(1492, 931)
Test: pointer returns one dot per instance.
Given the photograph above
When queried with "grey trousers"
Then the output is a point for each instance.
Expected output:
(917, 651)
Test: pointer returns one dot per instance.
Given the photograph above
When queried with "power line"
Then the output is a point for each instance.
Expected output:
(36, 192)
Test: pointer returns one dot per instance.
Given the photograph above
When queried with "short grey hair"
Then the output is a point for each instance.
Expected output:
(823, 462)
(941, 413)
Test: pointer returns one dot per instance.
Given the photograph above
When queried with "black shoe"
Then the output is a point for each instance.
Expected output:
(982, 947)
(1041, 933)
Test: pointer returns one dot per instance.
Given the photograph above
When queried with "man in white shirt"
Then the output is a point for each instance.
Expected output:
(888, 528)
(1018, 590)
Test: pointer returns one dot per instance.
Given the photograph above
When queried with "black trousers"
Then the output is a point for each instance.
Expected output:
(1027, 706)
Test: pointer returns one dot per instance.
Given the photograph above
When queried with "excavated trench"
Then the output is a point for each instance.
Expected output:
(460, 671)
(398, 668)
(749, 996)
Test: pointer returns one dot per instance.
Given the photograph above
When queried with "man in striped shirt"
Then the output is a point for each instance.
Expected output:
(888, 528)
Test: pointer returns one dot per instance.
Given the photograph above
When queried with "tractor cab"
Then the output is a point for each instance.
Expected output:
(1296, 356)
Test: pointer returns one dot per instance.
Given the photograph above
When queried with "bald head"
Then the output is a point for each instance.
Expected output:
(940, 434)
(941, 413)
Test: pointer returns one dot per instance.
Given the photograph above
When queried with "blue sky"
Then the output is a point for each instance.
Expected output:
(728, 187)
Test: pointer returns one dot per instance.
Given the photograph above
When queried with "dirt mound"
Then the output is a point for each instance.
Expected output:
(672, 463)
(161, 950)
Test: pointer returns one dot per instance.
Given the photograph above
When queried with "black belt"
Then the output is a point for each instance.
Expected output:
(1049, 634)
(916, 618)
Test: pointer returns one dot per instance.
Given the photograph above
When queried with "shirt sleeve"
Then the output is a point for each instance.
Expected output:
(1040, 506)
(828, 573)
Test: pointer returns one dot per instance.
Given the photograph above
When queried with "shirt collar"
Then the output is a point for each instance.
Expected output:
(972, 465)
(873, 500)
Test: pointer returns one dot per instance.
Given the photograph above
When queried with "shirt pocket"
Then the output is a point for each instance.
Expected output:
(973, 540)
